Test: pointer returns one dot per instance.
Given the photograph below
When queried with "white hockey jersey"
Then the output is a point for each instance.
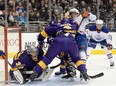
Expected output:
(98, 35)
(90, 19)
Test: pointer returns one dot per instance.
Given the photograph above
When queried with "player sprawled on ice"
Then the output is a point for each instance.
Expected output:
(24, 63)
(99, 34)
(64, 41)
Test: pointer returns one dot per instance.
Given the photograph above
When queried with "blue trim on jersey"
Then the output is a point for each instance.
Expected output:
(104, 28)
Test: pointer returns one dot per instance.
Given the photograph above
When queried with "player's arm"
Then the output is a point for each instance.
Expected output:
(48, 31)
(88, 33)
(108, 38)
(16, 62)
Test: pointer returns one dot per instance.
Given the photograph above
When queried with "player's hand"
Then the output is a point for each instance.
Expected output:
(85, 14)
(2, 53)
(109, 46)
(33, 76)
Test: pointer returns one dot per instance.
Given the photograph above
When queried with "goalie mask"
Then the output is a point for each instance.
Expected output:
(33, 52)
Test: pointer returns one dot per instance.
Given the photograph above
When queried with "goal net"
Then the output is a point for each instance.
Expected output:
(10, 43)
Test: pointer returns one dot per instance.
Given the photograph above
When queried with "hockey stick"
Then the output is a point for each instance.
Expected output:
(93, 76)
(10, 63)
(100, 45)
(97, 75)
(49, 73)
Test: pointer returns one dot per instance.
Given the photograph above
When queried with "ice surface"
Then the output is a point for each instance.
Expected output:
(95, 64)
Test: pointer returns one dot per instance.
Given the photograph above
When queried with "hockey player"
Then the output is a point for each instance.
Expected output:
(99, 34)
(63, 42)
(82, 20)
(24, 63)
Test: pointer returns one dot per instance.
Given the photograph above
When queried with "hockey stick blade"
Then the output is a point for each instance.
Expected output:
(97, 75)
(47, 76)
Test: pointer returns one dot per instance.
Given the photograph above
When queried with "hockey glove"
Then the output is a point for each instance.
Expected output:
(2, 53)
(85, 14)
(109, 46)
(33, 76)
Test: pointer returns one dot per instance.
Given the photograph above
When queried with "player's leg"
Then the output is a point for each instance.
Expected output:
(91, 46)
(109, 56)
(82, 45)
(62, 70)
(75, 56)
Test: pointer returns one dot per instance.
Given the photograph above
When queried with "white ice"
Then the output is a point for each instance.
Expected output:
(95, 64)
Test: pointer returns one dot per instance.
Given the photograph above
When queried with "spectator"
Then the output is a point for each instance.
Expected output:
(22, 18)
(32, 16)
(20, 8)
(2, 5)
(56, 15)
(43, 14)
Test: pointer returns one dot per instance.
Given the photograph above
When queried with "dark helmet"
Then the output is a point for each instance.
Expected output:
(53, 22)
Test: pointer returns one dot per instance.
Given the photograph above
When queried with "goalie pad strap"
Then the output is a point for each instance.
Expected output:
(18, 76)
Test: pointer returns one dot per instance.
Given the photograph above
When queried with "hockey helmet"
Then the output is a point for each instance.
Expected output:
(99, 22)
(74, 10)
(33, 51)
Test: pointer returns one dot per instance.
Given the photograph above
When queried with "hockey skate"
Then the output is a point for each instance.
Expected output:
(68, 77)
(60, 73)
(84, 76)
(111, 64)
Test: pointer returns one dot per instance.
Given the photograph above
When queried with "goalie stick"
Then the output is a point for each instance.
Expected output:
(49, 73)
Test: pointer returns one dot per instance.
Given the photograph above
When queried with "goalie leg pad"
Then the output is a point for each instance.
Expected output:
(19, 77)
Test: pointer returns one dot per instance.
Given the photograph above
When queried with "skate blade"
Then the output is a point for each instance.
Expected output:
(68, 80)
(84, 82)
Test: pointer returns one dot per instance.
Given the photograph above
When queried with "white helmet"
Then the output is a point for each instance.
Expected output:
(99, 21)
(74, 10)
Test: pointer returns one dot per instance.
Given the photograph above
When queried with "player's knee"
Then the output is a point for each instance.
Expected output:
(82, 48)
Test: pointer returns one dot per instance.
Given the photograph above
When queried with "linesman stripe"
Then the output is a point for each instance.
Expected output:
(80, 62)
(44, 34)
(42, 64)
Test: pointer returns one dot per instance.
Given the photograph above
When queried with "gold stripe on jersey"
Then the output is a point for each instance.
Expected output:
(77, 23)
(44, 34)
(16, 57)
(63, 66)
(80, 62)
(1, 57)
(70, 31)
(44, 52)
(13, 69)
(42, 64)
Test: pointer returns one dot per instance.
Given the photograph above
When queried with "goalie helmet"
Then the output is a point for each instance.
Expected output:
(33, 51)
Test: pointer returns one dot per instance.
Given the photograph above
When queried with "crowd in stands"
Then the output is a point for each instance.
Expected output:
(39, 10)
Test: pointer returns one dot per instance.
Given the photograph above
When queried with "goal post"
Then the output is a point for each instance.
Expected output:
(10, 34)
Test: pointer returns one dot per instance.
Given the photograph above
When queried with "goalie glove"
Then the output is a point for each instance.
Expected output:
(33, 76)
(109, 46)
(19, 77)
(2, 53)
